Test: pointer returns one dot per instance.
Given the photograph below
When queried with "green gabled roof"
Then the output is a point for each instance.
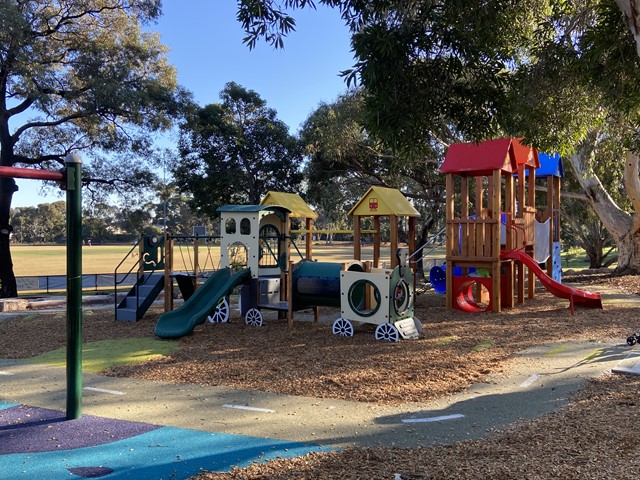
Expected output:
(252, 208)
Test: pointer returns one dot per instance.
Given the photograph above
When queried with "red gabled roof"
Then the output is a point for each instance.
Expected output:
(525, 155)
(482, 158)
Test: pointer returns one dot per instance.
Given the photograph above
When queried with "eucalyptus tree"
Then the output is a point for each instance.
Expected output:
(235, 151)
(44, 223)
(80, 76)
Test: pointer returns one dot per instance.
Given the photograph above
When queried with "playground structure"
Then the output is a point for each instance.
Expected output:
(255, 252)
(71, 180)
(162, 261)
(491, 227)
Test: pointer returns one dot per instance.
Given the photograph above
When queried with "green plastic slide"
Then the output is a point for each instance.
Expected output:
(183, 320)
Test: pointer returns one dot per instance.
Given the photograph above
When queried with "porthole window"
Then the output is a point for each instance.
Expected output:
(357, 295)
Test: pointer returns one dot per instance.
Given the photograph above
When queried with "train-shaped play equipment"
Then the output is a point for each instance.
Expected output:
(256, 255)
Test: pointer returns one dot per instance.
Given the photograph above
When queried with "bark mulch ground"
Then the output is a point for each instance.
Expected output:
(593, 438)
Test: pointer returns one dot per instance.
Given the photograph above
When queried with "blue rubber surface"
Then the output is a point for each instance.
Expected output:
(163, 453)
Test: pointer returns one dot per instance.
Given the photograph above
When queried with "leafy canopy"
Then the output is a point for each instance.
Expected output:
(235, 152)
(82, 75)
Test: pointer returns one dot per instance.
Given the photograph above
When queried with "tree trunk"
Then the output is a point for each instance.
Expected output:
(629, 253)
(631, 11)
(624, 227)
(8, 287)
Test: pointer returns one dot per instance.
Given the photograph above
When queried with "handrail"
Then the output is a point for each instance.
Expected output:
(139, 267)
(427, 243)
(128, 253)
(297, 249)
(275, 257)
(115, 273)
(515, 227)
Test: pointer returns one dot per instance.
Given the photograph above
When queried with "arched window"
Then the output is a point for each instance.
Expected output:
(245, 226)
(230, 226)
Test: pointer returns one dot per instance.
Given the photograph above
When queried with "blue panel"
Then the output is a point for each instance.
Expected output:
(556, 262)
(550, 165)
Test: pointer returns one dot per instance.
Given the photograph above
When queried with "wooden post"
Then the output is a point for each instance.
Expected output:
(480, 236)
(393, 239)
(309, 239)
(450, 212)
(511, 240)
(377, 239)
(551, 216)
(464, 217)
(168, 268)
(290, 295)
(412, 249)
(357, 246)
(496, 202)
(195, 263)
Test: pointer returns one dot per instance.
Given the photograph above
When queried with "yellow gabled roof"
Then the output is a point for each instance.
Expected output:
(383, 201)
(292, 201)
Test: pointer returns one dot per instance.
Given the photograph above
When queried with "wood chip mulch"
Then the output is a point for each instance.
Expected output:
(593, 438)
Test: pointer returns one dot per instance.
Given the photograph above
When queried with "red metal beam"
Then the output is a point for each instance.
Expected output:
(16, 172)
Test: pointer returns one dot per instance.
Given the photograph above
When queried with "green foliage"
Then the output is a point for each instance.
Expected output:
(45, 223)
(81, 76)
(345, 159)
(235, 152)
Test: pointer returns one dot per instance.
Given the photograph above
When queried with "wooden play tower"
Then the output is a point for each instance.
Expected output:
(380, 202)
(487, 211)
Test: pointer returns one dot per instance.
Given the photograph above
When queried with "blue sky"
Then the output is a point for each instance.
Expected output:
(206, 48)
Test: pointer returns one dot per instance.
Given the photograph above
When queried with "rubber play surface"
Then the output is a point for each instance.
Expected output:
(40, 443)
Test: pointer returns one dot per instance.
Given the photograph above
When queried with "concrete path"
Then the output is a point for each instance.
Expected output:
(540, 381)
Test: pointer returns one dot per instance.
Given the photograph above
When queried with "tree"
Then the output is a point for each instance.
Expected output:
(174, 213)
(563, 74)
(80, 76)
(235, 152)
(346, 159)
(42, 224)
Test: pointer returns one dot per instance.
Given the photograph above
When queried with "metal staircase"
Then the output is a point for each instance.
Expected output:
(150, 279)
(140, 297)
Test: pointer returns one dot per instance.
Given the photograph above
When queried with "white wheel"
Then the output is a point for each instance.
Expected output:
(253, 317)
(343, 327)
(387, 332)
(221, 312)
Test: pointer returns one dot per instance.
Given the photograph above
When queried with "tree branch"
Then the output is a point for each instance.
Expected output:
(617, 221)
(20, 107)
(27, 126)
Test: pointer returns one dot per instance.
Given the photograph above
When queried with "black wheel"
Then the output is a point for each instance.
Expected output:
(631, 340)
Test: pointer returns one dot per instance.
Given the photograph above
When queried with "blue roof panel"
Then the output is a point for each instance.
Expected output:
(550, 165)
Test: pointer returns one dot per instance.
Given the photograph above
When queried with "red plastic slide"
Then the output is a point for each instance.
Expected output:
(575, 295)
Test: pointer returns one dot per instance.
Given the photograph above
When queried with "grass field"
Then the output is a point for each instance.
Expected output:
(34, 260)
(30, 260)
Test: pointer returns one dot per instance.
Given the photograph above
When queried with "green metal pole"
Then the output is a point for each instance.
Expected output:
(73, 165)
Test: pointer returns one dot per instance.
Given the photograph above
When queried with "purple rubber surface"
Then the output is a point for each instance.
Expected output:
(90, 472)
(25, 429)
